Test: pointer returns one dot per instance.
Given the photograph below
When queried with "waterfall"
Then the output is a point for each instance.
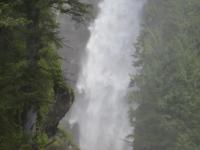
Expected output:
(101, 107)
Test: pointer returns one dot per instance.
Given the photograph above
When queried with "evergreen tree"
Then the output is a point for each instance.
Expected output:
(30, 73)
(168, 115)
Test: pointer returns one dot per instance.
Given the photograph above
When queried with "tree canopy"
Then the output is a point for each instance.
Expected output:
(30, 73)
(168, 60)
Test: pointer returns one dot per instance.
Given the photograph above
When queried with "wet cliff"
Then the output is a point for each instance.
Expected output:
(75, 37)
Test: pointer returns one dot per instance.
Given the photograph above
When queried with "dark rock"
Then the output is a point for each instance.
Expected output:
(64, 100)
(30, 123)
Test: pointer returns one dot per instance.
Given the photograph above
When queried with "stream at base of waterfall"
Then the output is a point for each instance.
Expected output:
(101, 106)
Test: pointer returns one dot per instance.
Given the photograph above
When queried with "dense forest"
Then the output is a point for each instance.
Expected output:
(168, 78)
(34, 95)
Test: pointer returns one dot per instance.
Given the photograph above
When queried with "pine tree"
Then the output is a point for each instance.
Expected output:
(30, 73)
(167, 117)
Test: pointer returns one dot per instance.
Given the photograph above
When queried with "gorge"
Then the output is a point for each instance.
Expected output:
(99, 75)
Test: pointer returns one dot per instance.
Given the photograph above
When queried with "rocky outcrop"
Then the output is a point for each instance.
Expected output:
(30, 121)
(64, 100)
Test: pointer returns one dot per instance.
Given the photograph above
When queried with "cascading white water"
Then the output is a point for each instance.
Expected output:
(101, 109)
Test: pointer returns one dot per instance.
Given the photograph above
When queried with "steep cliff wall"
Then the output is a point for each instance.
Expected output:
(75, 38)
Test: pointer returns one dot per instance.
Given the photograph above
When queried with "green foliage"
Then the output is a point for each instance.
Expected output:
(62, 141)
(29, 66)
(168, 115)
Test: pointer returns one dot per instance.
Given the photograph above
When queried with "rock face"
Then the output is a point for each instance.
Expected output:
(64, 100)
(75, 37)
(30, 121)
